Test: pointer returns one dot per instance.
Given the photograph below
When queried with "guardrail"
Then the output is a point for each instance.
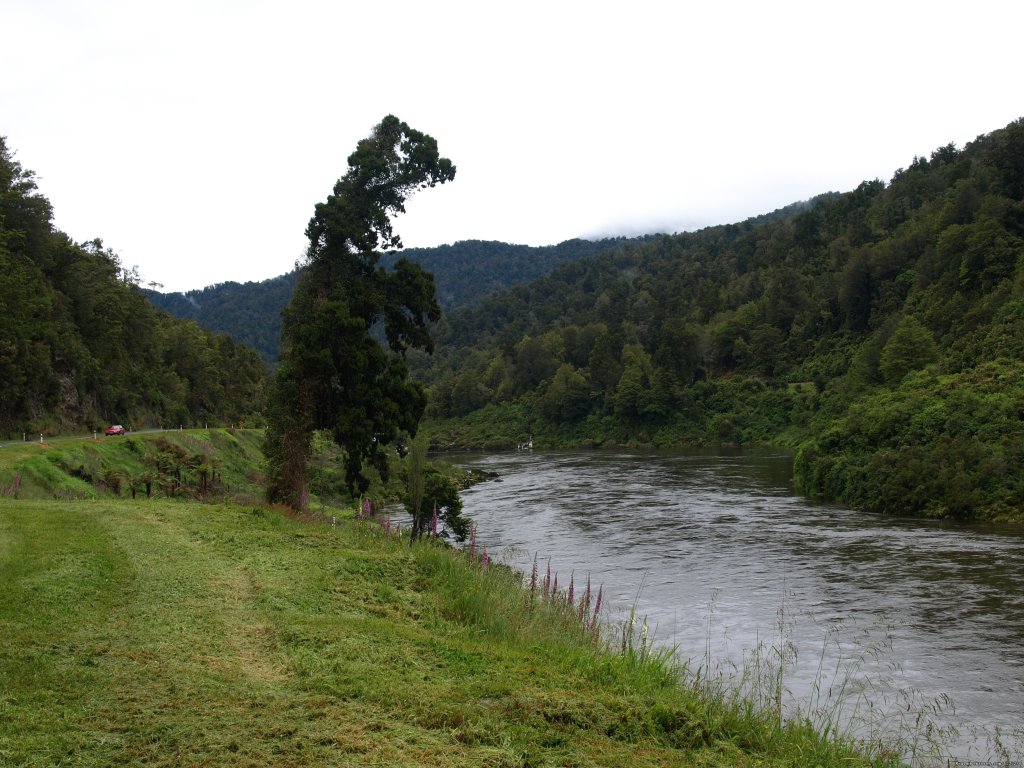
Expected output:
(40, 438)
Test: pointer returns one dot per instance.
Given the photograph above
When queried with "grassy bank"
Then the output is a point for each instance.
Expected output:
(156, 632)
(195, 464)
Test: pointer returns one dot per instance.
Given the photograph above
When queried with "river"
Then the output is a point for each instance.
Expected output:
(908, 618)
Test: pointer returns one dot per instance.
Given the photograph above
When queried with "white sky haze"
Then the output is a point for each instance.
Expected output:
(195, 138)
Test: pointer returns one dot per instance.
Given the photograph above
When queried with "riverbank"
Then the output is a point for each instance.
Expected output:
(937, 446)
(166, 633)
(918, 621)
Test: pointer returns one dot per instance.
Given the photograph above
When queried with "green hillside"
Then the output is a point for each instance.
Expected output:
(464, 273)
(250, 313)
(202, 464)
(469, 271)
(81, 348)
(155, 613)
(879, 332)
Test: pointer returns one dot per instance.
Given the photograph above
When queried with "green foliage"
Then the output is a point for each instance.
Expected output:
(249, 313)
(199, 464)
(567, 398)
(910, 348)
(465, 273)
(334, 374)
(158, 633)
(471, 270)
(782, 329)
(439, 492)
(777, 329)
(632, 396)
(81, 348)
(415, 466)
(950, 445)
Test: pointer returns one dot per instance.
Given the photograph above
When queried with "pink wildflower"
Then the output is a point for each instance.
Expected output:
(585, 602)
(594, 628)
(533, 580)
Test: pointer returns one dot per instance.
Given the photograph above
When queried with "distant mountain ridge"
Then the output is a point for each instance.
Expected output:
(465, 273)
(250, 313)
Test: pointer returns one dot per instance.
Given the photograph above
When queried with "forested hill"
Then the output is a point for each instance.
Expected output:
(250, 313)
(470, 270)
(880, 331)
(464, 274)
(80, 347)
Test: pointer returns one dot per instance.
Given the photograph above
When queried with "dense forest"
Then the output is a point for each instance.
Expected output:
(879, 332)
(465, 273)
(250, 313)
(81, 347)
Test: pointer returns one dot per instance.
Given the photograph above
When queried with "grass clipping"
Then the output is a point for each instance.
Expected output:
(161, 633)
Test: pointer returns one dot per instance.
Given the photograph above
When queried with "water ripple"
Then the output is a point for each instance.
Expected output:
(723, 547)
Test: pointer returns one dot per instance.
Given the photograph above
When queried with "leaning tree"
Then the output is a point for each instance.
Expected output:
(345, 333)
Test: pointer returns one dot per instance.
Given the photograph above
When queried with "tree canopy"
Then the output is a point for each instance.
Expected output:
(80, 347)
(465, 273)
(880, 331)
(334, 374)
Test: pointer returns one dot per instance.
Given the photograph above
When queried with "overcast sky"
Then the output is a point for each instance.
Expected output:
(195, 137)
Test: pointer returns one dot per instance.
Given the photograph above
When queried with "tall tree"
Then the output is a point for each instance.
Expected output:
(910, 347)
(333, 373)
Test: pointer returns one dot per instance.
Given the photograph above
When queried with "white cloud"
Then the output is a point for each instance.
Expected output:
(195, 138)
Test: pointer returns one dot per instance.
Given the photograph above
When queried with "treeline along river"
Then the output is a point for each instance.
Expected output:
(895, 616)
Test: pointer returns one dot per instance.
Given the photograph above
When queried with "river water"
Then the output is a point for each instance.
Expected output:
(901, 620)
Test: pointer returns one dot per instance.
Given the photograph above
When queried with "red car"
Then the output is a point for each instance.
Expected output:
(115, 429)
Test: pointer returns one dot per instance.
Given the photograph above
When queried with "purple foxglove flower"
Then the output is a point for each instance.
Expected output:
(585, 602)
(533, 580)
(597, 610)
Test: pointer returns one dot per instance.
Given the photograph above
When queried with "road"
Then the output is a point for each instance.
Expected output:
(35, 438)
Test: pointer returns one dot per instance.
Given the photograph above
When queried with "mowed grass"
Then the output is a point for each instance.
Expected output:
(162, 633)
